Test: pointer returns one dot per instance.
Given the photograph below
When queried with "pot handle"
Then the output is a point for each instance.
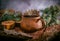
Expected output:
(43, 22)
(38, 20)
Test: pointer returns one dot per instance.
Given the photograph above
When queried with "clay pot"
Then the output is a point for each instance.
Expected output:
(31, 24)
(8, 24)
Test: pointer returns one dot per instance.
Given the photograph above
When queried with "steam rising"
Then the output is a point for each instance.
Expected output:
(23, 5)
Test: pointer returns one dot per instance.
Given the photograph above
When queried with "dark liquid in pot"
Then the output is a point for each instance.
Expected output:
(30, 16)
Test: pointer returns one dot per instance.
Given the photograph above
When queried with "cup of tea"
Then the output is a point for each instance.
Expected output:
(8, 24)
